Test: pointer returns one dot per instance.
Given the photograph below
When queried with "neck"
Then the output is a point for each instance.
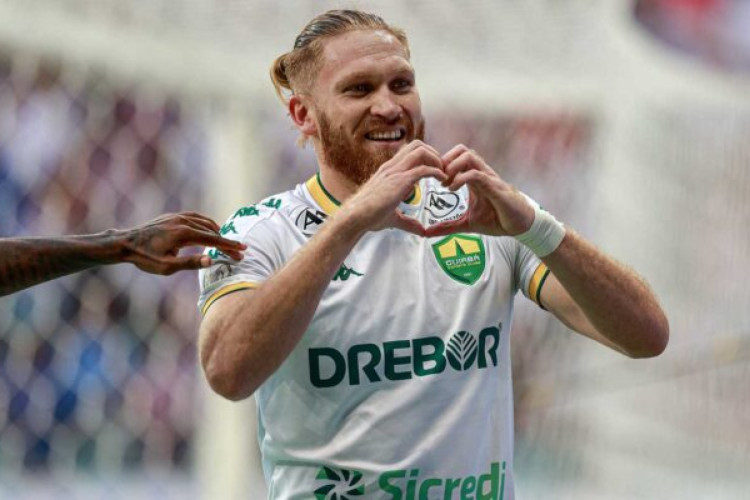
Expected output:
(336, 183)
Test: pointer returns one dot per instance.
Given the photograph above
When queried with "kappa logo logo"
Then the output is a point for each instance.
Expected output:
(441, 205)
(308, 221)
(344, 273)
(341, 484)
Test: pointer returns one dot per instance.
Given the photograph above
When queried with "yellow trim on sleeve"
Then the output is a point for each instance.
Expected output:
(225, 291)
(416, 196)
(536, 282)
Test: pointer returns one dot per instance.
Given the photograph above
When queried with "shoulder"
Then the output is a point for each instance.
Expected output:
(276, 210)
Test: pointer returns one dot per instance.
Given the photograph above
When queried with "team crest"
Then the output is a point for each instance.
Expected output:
(461, 257)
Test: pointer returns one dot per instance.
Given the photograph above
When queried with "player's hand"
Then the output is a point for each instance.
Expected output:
(154, 246)
(375, 204)
(495, 207)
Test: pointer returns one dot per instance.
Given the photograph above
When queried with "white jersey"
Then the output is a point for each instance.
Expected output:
(401, 386)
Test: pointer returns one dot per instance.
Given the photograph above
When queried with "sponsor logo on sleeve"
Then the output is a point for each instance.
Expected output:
(308, 221)
(216, 273)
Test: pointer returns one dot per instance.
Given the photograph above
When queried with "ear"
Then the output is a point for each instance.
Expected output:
(302, 116)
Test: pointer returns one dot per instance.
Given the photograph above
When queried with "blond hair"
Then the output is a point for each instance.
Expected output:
(294, 71)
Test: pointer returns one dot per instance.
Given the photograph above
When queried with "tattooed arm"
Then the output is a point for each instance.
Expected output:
(153, 247)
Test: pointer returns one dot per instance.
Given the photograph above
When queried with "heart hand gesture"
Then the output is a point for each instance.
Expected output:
(495, 207)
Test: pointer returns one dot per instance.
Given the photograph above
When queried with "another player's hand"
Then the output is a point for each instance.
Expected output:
(154, 246)
(495, 207)
(375, 203)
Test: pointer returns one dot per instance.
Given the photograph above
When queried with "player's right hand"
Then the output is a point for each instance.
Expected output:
(154, 246)
(374, 205)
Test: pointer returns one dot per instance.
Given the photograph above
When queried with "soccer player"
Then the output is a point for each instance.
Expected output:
(371, 314)
(153, 247)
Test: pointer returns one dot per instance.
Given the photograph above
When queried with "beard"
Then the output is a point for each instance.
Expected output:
(353, 160)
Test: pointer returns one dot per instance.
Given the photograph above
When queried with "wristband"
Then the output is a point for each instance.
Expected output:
(545, 234)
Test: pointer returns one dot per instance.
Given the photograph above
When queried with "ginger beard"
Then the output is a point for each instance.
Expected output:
(352, 160)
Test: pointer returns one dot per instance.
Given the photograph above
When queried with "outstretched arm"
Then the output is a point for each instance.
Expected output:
(587, 290)
(153, 247)
(595, 295)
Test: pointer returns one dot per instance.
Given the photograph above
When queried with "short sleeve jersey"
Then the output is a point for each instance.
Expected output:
(401, 386)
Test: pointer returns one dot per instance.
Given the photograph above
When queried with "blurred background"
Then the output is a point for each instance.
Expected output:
(630, 120)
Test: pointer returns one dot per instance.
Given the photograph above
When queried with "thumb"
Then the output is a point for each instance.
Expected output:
(408, 224)
(449, 227)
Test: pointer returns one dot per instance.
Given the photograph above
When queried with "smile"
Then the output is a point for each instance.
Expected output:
(392, 135)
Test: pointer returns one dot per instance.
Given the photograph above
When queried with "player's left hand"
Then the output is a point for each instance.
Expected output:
(494, 208)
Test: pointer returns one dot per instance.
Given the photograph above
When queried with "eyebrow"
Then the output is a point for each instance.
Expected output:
(366, 75)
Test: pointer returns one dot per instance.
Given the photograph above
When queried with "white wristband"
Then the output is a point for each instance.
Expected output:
(545, 234)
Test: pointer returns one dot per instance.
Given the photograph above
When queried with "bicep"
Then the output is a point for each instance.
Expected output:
(558, 301)
(218, 318)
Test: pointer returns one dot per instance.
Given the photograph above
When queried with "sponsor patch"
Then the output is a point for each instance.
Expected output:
(219, 271)
(441, 204)
(308, 221)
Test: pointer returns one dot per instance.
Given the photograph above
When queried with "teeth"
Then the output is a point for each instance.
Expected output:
(385, 136)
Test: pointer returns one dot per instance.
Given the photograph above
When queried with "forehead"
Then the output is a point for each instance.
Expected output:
(357, 52)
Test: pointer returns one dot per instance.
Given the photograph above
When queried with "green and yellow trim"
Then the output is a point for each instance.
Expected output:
(322, 197)
(536, 283)
(416, 196)
(245, 285)
(330, 205)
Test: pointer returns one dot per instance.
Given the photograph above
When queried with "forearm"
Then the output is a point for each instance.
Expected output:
(240, 350)
(27, 261)
(616, 301)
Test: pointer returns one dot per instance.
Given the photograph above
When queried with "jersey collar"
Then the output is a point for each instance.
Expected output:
(330, 205)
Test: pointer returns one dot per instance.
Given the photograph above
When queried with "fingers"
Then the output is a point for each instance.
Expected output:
(191, 236)
(423, 171)
(422, 156)
(415, 145)
(454, 153)
(449, 227)
(408, 224)
(462, 159)
(198, 221)
(171, 265)
(413, 154)
(474, 178)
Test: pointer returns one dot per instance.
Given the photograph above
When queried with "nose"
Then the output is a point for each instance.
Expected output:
(385, 105)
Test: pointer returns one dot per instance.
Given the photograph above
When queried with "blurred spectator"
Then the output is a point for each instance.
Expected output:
(715, 31)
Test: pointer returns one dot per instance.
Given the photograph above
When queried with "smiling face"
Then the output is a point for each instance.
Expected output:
(364, 105)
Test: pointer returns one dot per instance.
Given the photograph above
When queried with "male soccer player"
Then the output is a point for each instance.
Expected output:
(371, 314)
(153, 247)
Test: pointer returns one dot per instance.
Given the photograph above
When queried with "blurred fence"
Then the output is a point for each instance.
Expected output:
(97, 370)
